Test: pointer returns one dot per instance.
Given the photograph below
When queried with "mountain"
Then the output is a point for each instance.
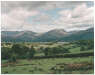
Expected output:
(75, 31)
(10, 33)
(51, 35)
(18, 36)
(81, 35)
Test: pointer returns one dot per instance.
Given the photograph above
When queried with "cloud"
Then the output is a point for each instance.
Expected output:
(79, 11)
(16, 18)
(81, 16)
(7, 6)
(66, 13)
(42, 18)
(75, 15)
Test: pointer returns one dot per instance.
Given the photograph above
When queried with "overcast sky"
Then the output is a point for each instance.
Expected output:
(42, 16)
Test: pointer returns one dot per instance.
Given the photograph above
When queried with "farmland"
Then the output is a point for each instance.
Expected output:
(45, 65)
(69, 63)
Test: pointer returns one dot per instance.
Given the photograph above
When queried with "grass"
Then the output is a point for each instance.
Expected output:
(4, 61)
(46, 65)
(39, 54)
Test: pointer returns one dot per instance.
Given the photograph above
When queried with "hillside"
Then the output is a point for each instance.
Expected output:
(52, 35)
(81, 35)
(10, 33)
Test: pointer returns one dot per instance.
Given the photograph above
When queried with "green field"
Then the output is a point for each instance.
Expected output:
(4, 61)
(46, 65)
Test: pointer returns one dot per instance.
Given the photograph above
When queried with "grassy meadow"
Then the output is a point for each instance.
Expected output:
(45, 65)
(49, 65)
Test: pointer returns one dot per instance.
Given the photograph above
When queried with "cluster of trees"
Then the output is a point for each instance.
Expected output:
(88, 43)
(52, 42)
(83, 43)
(55, 50)
(17, 51)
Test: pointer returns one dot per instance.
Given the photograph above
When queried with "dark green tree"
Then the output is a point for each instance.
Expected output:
(82, 48)
(14, 57)
(5, 53)
(25, 49)
(46, 50)
(41, 48)
(90, 46)
(17, 49)
(50, 51)
(32, 51)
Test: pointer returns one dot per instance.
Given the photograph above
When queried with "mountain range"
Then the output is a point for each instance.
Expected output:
(56, 34)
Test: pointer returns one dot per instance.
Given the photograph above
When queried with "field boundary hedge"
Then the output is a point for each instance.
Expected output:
(66, 55)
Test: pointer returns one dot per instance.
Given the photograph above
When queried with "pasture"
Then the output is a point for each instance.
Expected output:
(44, 66)
(72, 65)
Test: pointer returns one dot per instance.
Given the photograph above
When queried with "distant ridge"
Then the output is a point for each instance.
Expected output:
(52, 35)
(81, 35)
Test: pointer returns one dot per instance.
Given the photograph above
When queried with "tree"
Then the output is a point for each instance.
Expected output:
(46, 50)
(65, 50)
(41, 48)
(90, 46)
(27, 55)
(32, 51)
(54, 50)
(50, 51)
(13, 57)
(17, 49)
(25, 49)
(82, 48)
(5, 53)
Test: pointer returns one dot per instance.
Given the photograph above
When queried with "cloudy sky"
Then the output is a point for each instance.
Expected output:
(42, 16)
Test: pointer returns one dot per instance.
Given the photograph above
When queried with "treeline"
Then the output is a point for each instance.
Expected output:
(55, 50)
(66, 55)
(17, 51)
(88, 43)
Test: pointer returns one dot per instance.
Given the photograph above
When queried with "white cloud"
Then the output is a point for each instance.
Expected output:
(66, 13)
(79, 11)
(15, 15)
(16, 18)
(81, 16)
